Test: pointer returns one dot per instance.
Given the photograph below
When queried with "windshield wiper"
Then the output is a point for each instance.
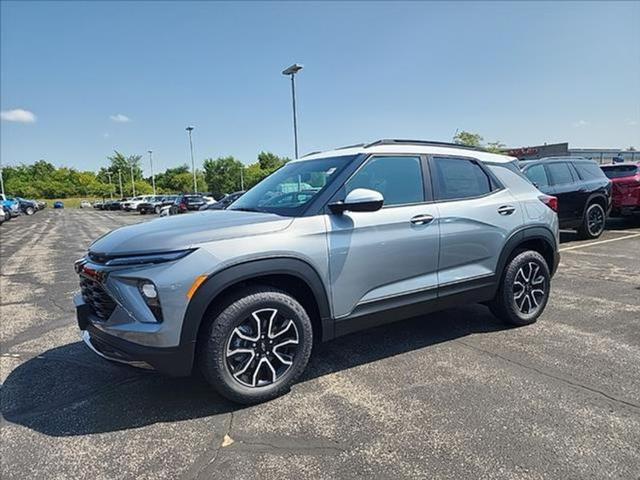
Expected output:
(246, 209)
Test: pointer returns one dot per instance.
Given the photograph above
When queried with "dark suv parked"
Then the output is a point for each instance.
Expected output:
(187, 202)
(582, 189)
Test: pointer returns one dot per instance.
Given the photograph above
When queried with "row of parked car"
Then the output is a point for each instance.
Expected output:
(15, 206)
(166, 204)
(586, 192)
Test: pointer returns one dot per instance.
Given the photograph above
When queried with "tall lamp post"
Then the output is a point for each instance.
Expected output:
(153, 177)
(133, 183)
(120, 182)
(291, 71)
(193, 164)
(110, 186)
(1, 181)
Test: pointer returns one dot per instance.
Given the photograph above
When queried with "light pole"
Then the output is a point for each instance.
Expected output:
(1, 181)
(133, 185)
(193, 164)
(292, 70)
(110, 186)
(153, 178)
(242, 177)
(120, 181)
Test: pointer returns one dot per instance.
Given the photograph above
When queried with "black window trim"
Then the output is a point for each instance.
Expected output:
(427, 192)
(495, 184)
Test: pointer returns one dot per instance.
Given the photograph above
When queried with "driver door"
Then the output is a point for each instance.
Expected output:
(389, 256)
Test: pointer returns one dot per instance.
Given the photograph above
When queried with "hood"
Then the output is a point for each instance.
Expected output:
(179, 232)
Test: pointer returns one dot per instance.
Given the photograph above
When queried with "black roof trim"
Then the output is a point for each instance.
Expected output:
(397, 141)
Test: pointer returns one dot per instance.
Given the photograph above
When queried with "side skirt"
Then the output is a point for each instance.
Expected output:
(403, 307)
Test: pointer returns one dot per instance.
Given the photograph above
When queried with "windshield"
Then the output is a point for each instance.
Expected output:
(619, 171)
(288, 190)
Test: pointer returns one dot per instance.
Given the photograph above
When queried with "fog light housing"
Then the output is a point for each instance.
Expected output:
(149, 293)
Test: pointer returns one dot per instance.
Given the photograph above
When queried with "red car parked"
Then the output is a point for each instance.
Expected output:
(626, 187)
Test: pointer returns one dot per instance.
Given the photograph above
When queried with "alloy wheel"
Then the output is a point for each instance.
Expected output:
(529, 288)
(595, 220)
(262, 348)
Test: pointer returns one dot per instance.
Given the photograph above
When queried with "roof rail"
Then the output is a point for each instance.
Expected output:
(311, 153)
(355, 145)
(396, 141)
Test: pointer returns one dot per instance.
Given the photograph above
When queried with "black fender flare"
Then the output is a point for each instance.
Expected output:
(223, 279)
(523, 235)
(591, 198)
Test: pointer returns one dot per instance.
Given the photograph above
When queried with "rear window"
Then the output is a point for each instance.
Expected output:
(588, 170)
(620, 171)
(560, 173)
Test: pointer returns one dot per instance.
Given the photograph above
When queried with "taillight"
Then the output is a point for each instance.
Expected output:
(550, 201)
(183, 207)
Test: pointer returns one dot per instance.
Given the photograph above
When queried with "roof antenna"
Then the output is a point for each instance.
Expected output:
(454, 135)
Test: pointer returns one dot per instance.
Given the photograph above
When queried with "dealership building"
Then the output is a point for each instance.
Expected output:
(600, 155)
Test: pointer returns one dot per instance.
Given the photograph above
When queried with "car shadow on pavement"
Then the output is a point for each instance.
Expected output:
(69, 391)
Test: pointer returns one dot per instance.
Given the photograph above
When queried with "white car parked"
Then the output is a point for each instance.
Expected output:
(132, 204)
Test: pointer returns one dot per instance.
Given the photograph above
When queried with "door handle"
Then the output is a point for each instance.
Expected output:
(506, 210)
(422, 219)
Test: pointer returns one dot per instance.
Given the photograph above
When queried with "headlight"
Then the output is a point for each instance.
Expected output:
(114, 261)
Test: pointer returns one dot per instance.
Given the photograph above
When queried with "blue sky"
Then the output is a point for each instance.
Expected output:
(521, 73)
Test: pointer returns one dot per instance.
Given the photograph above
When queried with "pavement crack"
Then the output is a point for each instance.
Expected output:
(551, 375)
(204, 467)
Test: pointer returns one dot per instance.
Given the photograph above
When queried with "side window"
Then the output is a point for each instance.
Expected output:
(459, 178)
(588, 171)
(538, 175)
(560, 173)
(398, 179)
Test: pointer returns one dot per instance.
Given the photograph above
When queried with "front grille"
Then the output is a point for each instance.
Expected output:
(97, 298)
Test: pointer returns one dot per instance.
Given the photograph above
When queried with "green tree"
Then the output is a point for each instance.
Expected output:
(270, 162)
(222, 175)
(495, 147)
(467, 138)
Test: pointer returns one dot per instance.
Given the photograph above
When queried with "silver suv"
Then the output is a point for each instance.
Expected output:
(329, 244)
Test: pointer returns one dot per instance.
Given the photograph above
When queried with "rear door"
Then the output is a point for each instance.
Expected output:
(476, 216)
(390, 255)
(565, 186)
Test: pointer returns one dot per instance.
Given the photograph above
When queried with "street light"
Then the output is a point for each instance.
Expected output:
(193, 164)
(120, 181)
(133, 184)
(292, 70)
(110, 186)
(153, 178)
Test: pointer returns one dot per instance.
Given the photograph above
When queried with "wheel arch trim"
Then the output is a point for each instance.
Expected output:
(524, 235)
(220, 280)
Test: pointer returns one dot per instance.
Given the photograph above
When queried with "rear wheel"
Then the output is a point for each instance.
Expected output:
(524, 291)
(256, 347)
(593, 222)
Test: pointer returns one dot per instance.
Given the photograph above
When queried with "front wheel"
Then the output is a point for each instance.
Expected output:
(157, 210)
(524, 291)
(256, 346)
(593, 222)
(29, 211)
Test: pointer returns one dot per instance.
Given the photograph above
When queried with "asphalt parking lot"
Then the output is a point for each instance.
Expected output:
(449, 395)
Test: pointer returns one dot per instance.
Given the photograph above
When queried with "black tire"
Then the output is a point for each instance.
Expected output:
(507, 305)
(593, 222)
(157, 210)
(29, 211)
(219, 334)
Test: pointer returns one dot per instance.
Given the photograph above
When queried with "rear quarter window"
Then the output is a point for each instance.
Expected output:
(588, 171)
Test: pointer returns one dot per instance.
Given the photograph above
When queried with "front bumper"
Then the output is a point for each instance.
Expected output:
(173, 361)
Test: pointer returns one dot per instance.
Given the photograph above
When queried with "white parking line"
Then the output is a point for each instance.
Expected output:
(585, 245)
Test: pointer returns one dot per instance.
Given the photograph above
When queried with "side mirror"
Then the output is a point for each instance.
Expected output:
(359, 200)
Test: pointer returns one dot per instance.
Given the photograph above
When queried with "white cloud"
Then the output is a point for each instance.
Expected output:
(18, 115)
(105, 135)
(580, 123)
(120, 118)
